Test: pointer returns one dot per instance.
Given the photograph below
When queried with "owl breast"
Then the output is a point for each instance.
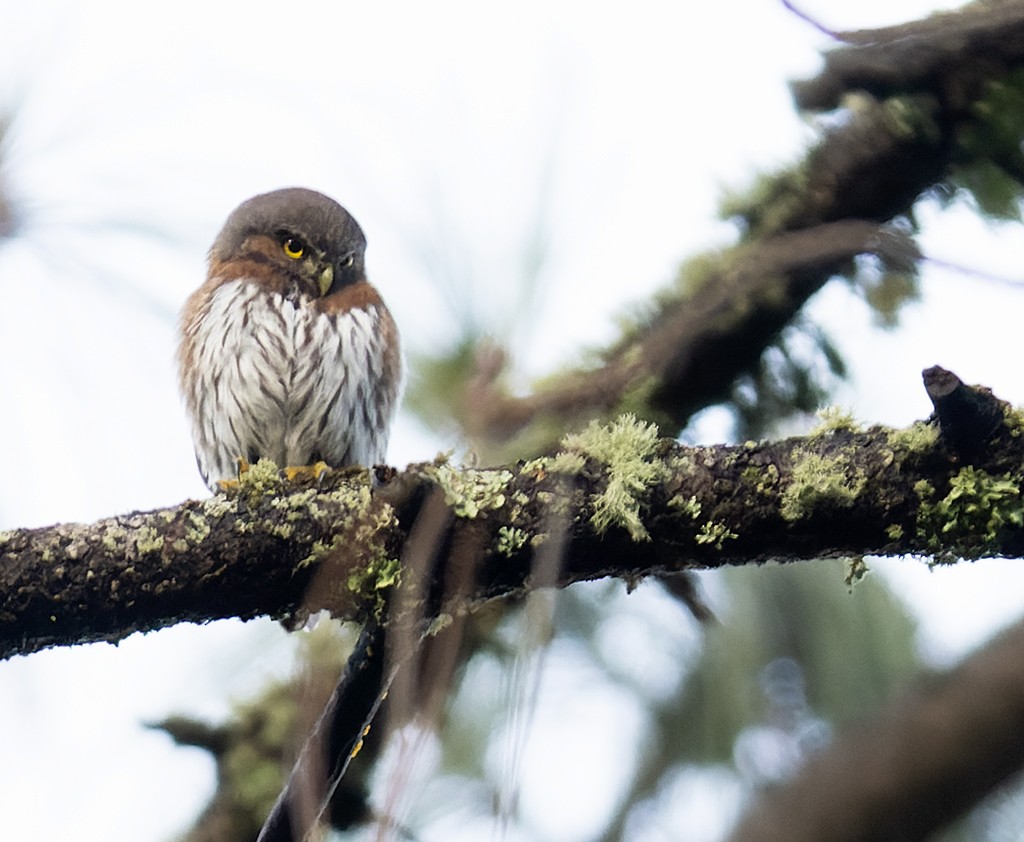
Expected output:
(277, 377)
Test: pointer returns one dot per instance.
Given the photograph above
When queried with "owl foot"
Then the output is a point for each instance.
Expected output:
(228, 484)
(295, 473)
(304, 473)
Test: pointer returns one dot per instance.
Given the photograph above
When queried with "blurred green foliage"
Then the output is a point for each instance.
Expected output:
(990, 161)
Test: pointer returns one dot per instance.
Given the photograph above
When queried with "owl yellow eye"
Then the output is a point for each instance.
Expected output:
(293, 248)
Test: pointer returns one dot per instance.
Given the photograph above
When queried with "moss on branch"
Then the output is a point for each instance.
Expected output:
(631, 504)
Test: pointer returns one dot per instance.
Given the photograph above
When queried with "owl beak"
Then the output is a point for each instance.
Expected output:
(326, 279)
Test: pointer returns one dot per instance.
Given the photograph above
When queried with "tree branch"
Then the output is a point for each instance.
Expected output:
(918, 765)
(691, 351)
(950, 52)
(902, 135)
(634, 505)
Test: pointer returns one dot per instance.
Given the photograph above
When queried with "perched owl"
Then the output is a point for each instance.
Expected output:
(287, 352)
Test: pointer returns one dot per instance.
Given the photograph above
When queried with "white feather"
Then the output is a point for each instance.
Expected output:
(266, 369)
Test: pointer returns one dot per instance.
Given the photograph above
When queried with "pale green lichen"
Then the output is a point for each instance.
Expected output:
(148, 540)
(1013, 417)
(520, 500)
(6, 536)
(365, 524)
(833, 419)
(714, 533)
(894, 532)
(817, 480)
(217, 507)
(197, 528)
(682, 462)
(353, 499)
(711, 532)
(262, 478)
(298, 505)
(566, 462)
(114, 538)
(282, 530)
(856, 570)
(688, 506)
(470, 491)
(919, 437)
(321, 550)
(77, 547)
(360, 519)
(536, 466)
(511, 539)
(763, 478)
(369, 583)
(627, 448)
(769, 479)
(348, 510)
(968, 521)
(376, 576)
(885, 457)
(562, 462)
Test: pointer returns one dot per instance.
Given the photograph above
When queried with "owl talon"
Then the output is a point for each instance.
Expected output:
(300, 473)
(231, 484)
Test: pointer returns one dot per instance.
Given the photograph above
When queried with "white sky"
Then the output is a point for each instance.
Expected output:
(138, 128)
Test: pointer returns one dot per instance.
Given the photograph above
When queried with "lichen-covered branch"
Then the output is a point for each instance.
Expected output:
(915, 110)
(937, 52)
(686, 357)
(248, 553)
(633, 504)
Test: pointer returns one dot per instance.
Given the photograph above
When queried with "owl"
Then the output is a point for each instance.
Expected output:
(287, 351)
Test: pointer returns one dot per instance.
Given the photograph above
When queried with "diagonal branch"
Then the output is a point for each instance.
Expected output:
(695, 347)
(978, 41)
(917, 86)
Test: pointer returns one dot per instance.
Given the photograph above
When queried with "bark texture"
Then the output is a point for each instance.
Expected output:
(632, 505)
